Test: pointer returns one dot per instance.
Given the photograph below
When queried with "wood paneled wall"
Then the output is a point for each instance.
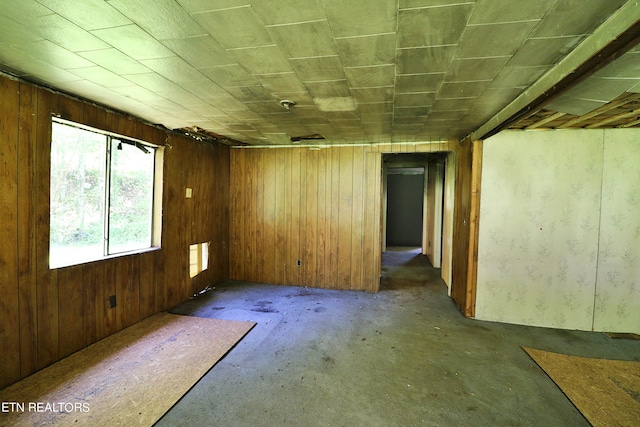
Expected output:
(319, 206)
(46, 314)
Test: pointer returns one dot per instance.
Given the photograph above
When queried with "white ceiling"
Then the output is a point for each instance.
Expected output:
(357, 70)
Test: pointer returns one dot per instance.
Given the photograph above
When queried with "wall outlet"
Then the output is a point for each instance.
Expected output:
(188, 193)
(112, 301)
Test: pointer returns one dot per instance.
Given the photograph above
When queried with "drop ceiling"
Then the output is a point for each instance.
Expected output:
(357, 71)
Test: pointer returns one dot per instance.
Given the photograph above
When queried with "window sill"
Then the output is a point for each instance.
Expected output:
(106, 258)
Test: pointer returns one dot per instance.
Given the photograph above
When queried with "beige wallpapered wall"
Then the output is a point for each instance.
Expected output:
(559, 238)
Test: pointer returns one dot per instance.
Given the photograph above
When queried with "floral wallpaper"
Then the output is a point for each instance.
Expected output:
(559, 237)
(538, 236)
(617, 295)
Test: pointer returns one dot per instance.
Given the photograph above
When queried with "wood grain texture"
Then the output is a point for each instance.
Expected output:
(310, 206)
(47, 314)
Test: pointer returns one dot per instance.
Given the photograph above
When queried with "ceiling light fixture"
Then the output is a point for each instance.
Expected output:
(287, 104)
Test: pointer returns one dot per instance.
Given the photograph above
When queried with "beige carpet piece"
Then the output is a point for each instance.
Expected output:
(130, 378)
(607, 392)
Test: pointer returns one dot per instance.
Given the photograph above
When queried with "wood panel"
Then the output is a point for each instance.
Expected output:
(312, 205)
(9, 307)
(47, 314)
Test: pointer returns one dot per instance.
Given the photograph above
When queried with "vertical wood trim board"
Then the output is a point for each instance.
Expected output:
(47, 314)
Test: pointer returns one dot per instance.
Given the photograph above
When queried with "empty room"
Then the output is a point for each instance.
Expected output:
(320, 212)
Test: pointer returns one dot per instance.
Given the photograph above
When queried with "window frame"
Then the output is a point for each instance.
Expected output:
(156, 199)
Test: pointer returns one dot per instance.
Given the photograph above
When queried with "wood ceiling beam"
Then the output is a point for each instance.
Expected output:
(600, 110)
(634, 113)
(608, 42)
(544, 121)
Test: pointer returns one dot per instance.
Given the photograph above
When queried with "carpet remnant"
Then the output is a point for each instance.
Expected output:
(130, 378)
(606, 392)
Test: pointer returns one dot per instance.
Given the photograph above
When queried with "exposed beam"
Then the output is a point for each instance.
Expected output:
(544, 121)
(608, 42)
(601, 110)
(634, 113)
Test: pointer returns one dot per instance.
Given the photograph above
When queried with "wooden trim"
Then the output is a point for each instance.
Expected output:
(474, 226)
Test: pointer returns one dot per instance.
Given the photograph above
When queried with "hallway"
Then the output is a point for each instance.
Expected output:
(402, 357)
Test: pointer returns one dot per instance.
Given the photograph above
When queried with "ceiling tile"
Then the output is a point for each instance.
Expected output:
(433, 26)
(114, 60)
(66, 34)
(54, 54)
(163, 19)
(255, 93)
(91, 15)
(382, 75)
(627, 66)
(520, 77)
(318, 69)
(422, 60)
(375, 94)
(288, 11)
(199, 51)
(14, 33)
(497, 11)
(281, 82)
(481, 41)
(367, 50)
(99, 75)
(173, 68)
(544, 51)
(262, 59)
(575, 106)
(359, 18)
(375, 107)
(235, 28)
(302, 40)
(229, 75)
(415, 99)
(192, 6)
(563, 18)
(476, 69)
(326, 89)
(420, 83)
(134, 42)
(462, 89)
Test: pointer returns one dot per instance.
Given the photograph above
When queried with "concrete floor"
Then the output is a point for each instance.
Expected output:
(402, 357)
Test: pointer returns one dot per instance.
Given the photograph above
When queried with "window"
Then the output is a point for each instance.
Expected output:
(198, 258)
(102, 194)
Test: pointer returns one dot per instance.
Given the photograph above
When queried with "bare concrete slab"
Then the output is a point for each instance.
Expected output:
(401, 357)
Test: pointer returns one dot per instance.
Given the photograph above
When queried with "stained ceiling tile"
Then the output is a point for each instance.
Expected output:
(435, 26)
(114, 60)
(234, 28)
(419, 82)
(91, 15)
(254, 93)
(375, 107)
(481, 41)
(422, 60)
(262, 59)
(360, 17)
(326, 89)
(520, 77)
(497, 11)
(229, 75)
(199, 51)
(287, 11)
(367, 50)
(303, 40)
(415, 99)
(544, 51)
(563, 20)
(415, 112)
(463, 89)
(374, 94)
(318, 69)
(66, 34)
(134, 42)
(476, 69)
(163, 19)
(382, 75)
(281, 82)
